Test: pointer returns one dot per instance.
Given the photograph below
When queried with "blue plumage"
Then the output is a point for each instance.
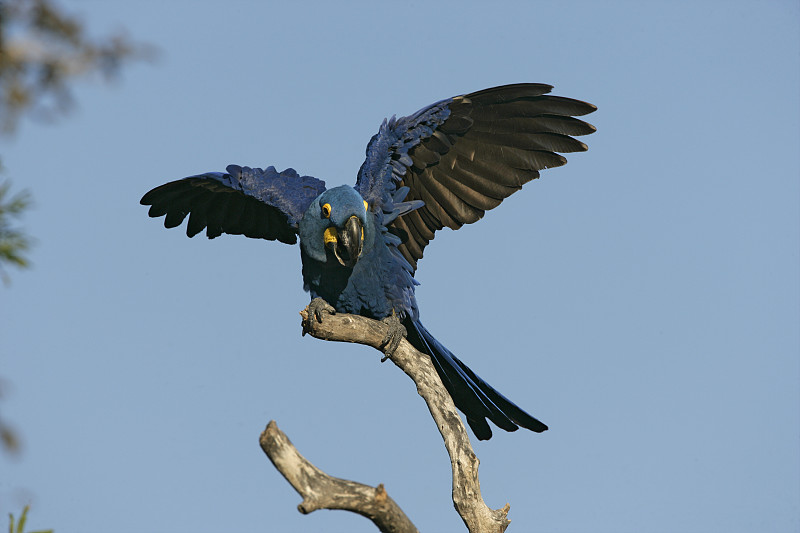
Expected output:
(443, 166)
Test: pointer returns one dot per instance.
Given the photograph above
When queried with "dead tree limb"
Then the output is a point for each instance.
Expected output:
(321, 491)
(467, 498)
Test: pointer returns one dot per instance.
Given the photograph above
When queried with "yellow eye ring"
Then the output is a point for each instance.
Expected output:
(326, 210)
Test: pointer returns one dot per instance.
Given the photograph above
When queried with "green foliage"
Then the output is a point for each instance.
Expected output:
(20, 528)
(8, 437)
(13, 242)
(42, 50)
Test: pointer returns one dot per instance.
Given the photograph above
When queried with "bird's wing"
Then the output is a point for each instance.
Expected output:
(464, 155)
(262, 204)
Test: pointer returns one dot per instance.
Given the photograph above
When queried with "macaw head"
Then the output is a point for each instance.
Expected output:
(337, 228)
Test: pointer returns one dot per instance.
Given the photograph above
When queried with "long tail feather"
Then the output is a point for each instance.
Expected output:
(472, 395)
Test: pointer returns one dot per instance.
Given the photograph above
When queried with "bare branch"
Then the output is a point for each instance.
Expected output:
(321, 491)
(467, 498)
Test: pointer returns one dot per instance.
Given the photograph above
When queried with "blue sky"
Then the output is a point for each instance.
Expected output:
(643, 300)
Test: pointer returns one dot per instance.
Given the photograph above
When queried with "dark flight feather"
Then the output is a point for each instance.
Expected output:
(464, 155)
(263, 204)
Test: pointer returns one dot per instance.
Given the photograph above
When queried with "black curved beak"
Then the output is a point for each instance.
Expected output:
(349, 241)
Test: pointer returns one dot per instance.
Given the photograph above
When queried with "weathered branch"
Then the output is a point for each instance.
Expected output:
(321, 491)
(467, 498)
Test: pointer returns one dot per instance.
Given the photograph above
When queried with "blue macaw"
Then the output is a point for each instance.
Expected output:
(445, 165)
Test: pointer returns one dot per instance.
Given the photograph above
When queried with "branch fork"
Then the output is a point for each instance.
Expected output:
(320, 491)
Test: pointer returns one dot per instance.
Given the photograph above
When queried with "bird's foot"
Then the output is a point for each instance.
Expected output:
(393, 337)
(316, 310)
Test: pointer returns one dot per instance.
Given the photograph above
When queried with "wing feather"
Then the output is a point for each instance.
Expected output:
(198, 216)
(458, 212)
(497, 171)
(263, 204)
(553, 142)
(464, 172)
(461, 187)
(424, 157)
(505, 93)
(465, 155)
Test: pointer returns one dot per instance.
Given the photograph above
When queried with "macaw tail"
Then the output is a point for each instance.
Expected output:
(472, 396)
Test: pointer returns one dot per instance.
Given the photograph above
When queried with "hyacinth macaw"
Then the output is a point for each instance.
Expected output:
(443, 166)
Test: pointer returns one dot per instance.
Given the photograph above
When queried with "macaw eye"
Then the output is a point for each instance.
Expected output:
(326, 210)
(366, 206)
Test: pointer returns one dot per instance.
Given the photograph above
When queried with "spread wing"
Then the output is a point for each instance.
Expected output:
(465, 155)
(262, 204)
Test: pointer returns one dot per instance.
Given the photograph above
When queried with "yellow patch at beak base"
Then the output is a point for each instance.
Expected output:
(330, 235)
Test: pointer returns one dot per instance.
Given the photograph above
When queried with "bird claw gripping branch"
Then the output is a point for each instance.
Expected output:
(397, 331)
(316, 310)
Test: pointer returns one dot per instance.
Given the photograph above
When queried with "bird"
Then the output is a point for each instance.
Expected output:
(443, 166)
